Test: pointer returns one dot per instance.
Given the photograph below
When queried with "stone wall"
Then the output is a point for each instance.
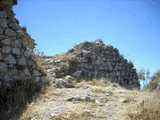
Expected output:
(95, 59)
(21, 75)
(17, 61)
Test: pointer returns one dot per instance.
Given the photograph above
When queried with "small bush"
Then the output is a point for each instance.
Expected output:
(153, 84)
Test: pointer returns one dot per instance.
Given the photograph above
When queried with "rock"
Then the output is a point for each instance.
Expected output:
(108, 93)
(77, 74)
(3, 23)
(13, 71)
(10, 32)
(44, 79)
(20, 34)
(30, 63)
(16, 51)
(96, 49)
(26, 71)
(73, 99)
(86, 98)
(97, 102)
(1, 57)
(69, 78)
(1, 30)
(36, 73)
(22, 61)
(27, 53)
(34, 118)
(6, 50)
(87, 110)
(6, 41)
(2, 37)
(10, 59)
(36, 79)
(53, 114)
(3, 67)
(59, 82)
(3, 14)
(26, 78)
(17, 43)
(8, 78)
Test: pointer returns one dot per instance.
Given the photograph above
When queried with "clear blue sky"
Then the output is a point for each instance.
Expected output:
(132, 26)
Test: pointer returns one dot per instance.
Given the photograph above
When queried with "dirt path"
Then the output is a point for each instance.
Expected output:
(92, 102)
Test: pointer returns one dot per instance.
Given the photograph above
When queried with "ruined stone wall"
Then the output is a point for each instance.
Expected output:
(95, 59)
(17, 61)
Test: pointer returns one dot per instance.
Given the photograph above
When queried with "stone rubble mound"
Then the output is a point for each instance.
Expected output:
(92, 60)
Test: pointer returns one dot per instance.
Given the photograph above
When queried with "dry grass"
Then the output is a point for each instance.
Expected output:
(38, 59)
(83, 111)
(44, 101)
(153, 84)
(146, 109)
(13, 101)
(121, 104)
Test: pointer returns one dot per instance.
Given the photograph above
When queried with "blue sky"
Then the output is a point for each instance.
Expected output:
(132, 26)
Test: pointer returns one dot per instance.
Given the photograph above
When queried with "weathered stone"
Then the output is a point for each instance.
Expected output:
(17, 43)
(1, 57)
(96, 49)
(18, 77)
(6, 50)
(10, 32)
(8, 77)
(3, 23)
(3, 14)
(22, 61)
(69, 78)
(36, 73)
(44, 79)
(13, 71)
(77, 73)
(59, 82)
(2, 37)
(26, 78)
(30, 63)
(20, 34)
(26, 72)
(16, 51)
(14, 26)
(1, 30)
(3, 67)
(6, 41)
(10, 59)
(36, 79)
(27, 53)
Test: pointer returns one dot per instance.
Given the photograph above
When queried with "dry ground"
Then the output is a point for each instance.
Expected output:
(107, 101)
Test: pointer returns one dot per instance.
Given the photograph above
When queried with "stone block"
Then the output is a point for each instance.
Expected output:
(10, 59)
(6, 41)
(27, 53)
(36, 73)
(3, 23)
(16, 51)
(10, 33)
(3, 67)
(3, 14)
(22, 61)
(44, 79)
(6, 50)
